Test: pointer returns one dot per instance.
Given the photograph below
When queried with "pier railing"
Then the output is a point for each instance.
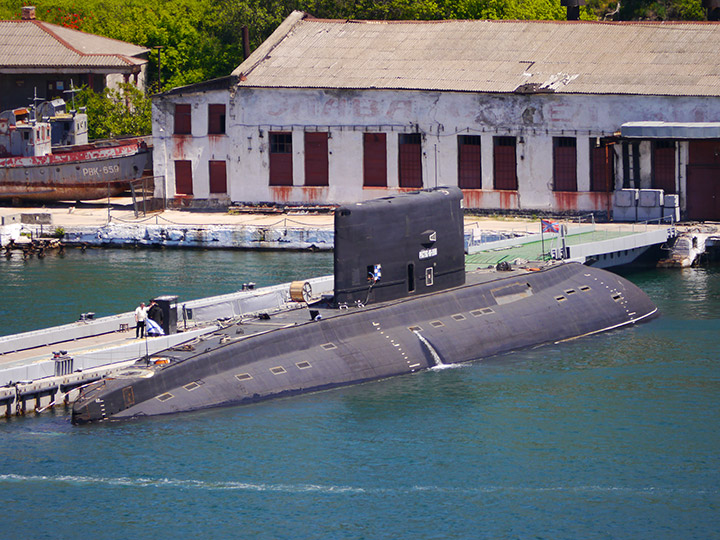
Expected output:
(579, 237)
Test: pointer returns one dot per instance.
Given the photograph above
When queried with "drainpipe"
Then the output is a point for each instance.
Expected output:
(246, 42)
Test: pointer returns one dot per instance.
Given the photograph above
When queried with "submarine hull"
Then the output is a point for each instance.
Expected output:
(492, 313)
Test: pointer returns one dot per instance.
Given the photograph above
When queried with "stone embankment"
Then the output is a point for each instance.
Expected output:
(117, 225)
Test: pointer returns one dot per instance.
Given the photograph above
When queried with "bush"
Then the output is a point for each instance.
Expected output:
(116, 112)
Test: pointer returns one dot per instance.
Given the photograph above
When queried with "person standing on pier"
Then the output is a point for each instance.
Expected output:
(140, 316)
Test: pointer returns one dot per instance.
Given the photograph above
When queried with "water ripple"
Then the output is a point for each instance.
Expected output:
(124, 481)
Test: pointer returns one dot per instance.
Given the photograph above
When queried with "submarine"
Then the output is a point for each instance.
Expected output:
(402, 302)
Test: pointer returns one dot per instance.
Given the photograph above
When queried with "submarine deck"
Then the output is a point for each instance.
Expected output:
(297, 313)
(291, 314)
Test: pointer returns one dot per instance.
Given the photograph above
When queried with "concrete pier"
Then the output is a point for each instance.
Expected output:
(44, 368)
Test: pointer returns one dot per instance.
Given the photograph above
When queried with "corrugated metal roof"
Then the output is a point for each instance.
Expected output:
(33, 43)
(490, 56)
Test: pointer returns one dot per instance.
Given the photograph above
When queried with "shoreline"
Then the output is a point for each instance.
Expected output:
(99, 224)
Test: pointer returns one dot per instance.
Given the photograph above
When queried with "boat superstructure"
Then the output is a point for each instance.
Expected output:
(47, 156)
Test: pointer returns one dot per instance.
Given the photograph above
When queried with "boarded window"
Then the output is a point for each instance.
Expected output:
(505, 164)
(281, 171)
(375, 160)
(218, 177)
(602, 167)
(663, 166)
(183, 177)
(183, 119)
(410, 160)
(564, 164)
(469, 172)
(316, 159)
(216, 119)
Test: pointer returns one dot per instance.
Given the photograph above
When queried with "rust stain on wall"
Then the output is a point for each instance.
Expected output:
(565, 200)
(314, 194)
(601, 201)
(508, 200)
(179, 147)
(281, 194)
(472, 198)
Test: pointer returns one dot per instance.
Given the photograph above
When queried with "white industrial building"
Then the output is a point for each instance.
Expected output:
(524, 116)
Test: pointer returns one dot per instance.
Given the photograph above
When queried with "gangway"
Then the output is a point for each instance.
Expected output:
(601, 245)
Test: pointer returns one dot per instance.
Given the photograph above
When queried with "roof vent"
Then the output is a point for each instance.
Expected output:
(28, 13)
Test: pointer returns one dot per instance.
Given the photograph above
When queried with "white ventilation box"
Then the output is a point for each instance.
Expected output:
(671, 208)
(625, 205)
(650, 205)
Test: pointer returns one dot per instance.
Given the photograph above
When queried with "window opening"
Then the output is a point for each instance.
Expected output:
(216, 118)
(183, 119)
(469, 164)
(281, 170)
(374, 160)
(564, 164)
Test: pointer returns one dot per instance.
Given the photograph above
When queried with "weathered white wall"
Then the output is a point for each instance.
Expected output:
(440, 117)
(199, 147)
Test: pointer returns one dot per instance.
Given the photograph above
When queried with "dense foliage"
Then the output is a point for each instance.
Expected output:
(118, 111)
(201, 39)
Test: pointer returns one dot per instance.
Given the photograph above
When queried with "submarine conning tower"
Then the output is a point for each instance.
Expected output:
(399, 246)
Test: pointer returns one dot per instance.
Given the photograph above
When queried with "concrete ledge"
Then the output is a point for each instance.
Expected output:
(193, 236)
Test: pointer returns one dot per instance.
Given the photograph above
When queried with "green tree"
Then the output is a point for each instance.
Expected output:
(115, 112)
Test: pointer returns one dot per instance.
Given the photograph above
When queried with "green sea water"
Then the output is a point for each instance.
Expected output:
(613, 436)
(57, 289)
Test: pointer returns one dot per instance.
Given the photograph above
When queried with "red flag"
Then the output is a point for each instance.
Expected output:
(549, 226)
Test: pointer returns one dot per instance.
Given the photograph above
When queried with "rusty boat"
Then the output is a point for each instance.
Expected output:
(45, 156)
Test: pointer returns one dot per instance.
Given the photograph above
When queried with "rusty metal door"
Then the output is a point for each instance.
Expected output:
(602, 171)
(410, 160)
(183, 177)
(703, 181)
(663, 166)
(375, 160)
(218, 176)
(281, 170)
(469, 170)
(316, 159)
(564, 164)
(182, 119)
(505, 163)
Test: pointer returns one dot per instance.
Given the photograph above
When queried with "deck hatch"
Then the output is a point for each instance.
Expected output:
(560, 298)
(303, 365)
(617, 297)
(585, 288)
(243, 377)
(570, 291)
(459, 317)
(415, 328)
(192, 386)
(437, 324)
(165, 396)
(278, 370)
(329, 346)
